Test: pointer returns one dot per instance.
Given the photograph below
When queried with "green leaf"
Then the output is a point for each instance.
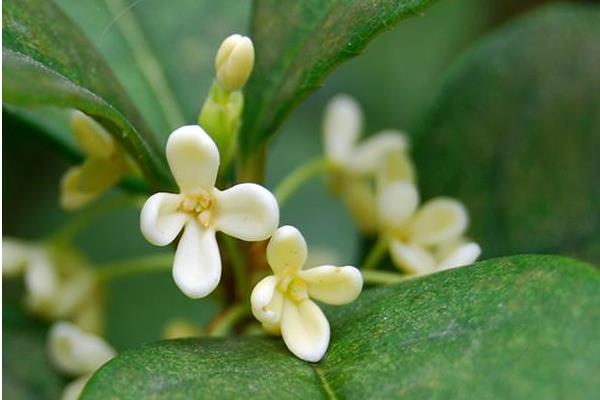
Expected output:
(518, 327)
(26, 372)
(163, 53)
(53, 64)
(515, 135)
(298, 44)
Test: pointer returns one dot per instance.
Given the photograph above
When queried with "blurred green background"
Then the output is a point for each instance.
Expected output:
(396, 80)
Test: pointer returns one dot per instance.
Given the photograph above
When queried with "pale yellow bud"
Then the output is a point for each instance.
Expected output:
(234, 62)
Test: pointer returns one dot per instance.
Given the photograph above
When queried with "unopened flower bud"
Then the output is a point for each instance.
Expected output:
(234, 62)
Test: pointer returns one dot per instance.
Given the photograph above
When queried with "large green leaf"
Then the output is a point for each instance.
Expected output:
(518, 327)
(516, 132)
(298, 44)
(26, 371)
(53, 64)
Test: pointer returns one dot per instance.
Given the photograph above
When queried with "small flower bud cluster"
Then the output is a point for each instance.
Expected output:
(376, 180)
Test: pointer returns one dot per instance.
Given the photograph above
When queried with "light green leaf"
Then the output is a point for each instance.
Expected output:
(53, 64)
(298, 44)
(518, 327)
(515, 135)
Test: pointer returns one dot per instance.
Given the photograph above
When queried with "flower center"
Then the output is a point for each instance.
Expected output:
(293, 287)
(198, 204)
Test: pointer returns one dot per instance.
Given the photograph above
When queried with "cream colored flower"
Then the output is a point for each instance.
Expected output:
(282, 302)
(354, 165)
(105, 165)
(76, 353)
(246, 211)
(428, 238)
(58, 281)
(234, 62)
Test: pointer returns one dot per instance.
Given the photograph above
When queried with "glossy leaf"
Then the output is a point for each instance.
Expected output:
(53, 64)
(519, 327)
(516, 132)
(298, 44)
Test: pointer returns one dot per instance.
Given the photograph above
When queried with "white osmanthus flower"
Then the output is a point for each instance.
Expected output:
(354, 164)
(234, 62)
(246, 211)
(59, 283)
(105, 165)
(428, 238)
(76, 353)
(282, 302)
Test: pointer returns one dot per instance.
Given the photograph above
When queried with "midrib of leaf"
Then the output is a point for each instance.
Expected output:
(146, 60)
(327, 389)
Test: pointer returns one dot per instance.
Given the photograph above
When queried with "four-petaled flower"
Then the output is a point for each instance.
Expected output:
(282, 302)
(246, 211)
(353, 164)
(428, 238)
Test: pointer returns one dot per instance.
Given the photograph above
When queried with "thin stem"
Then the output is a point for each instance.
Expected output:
(376, 253)
(225, 321)
(238, 266)
(135, 266)
(299, 176)
(147, 61)
(252, 168)
(384, 277)
(83, 219)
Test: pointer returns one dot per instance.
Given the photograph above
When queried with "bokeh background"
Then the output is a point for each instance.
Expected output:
(397, 80)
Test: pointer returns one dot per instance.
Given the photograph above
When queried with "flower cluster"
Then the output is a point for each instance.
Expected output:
(376, 180)
(59, 283)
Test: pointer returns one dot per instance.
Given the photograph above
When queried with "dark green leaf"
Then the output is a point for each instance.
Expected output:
(298, 44)
(516, 132)
(515, 328)
(53, 64)
(26, 372)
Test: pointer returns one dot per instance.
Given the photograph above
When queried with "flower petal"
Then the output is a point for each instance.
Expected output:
(193, 158)
(359, 199)
(76, 352)
(91, 137)
(396, 203)
(395, 166)
(465, 254)
(197, 264)
(305, 330)
(286, 250)
(160, 220)
(412, 258)
(73, 390)
(437, 221)
(41, 281)
(267, 301)
(333, 285)
(367, 156)
(84, 183)
(15, 256)
(246, 211)
(342, 124)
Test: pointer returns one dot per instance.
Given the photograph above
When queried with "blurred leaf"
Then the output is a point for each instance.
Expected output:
(516, 132)
(298, 44)
(163, 53)
(52, 64)
(518, 327)
(26, 372)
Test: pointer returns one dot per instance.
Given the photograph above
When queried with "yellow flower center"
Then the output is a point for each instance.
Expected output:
(293, 288)
(198, 204)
